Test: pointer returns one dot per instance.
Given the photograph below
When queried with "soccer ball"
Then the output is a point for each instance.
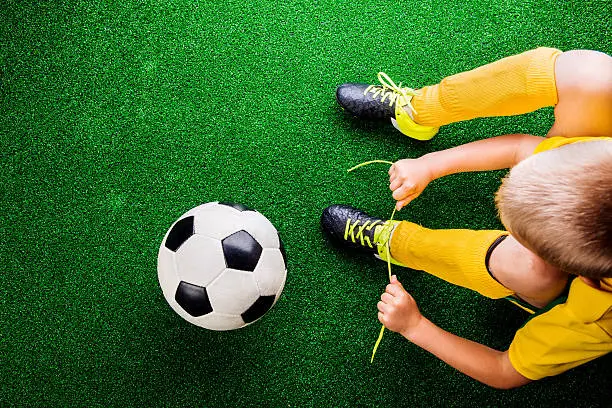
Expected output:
(221, 266)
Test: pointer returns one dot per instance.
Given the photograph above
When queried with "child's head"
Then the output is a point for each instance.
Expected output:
(558, 204)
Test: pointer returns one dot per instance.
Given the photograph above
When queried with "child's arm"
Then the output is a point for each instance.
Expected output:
(409, 177)
(398, 312)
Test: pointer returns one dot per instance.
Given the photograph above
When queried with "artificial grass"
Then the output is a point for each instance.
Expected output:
(117, 117)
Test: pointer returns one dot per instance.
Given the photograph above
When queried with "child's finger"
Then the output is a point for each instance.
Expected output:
(404, 202)
(384, 307)
(386, 298)
(394, 184)
(398, 192)
(402, 192)
(395, 289)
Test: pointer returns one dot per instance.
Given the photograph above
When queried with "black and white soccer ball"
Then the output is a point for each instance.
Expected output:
(222, 266)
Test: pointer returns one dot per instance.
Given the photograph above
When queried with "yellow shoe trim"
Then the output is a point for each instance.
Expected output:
(382, 235)
(404, 123)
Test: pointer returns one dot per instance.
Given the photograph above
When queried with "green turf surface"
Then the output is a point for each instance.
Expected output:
(117, 117)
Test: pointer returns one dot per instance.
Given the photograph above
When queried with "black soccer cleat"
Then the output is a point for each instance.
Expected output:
(353, 228)
(386, 101)
(357, 99)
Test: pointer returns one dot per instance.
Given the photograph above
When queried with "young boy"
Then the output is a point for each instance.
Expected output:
(556, 204)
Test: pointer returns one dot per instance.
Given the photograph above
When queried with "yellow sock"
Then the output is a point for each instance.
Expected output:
(511, 86)
(457, 256)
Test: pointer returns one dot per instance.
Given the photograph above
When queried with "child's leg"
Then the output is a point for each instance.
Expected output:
(584, 86)
(460, 257)
(514, 85)
(457, 256)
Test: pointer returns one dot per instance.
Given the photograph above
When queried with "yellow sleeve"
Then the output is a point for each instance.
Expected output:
(564, 337)
(558, 141)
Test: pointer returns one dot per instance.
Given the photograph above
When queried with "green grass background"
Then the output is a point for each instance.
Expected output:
(117, 117)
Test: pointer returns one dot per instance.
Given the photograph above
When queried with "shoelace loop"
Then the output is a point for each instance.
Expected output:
(390, 90)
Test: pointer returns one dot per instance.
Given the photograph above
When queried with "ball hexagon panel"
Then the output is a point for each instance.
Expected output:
(271, 272)
(200, 260)
(219, 321)
(217, 221)
(241, 251)
(166, 272)
(260, 228)
(235, 206)
(194, 210)
(233, 292)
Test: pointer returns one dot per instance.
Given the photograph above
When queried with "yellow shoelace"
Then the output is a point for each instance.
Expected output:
(390, 90)
(349, 231)
(382, 329)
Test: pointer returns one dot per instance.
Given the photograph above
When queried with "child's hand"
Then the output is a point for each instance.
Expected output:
(397, 310)
(408, 178)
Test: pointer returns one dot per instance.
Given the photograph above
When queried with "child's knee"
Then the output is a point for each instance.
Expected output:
(584, 93)
(547, 279)
(584, 71)
(523, 272)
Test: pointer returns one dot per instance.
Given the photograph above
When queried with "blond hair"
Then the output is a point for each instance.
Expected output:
(558, 204)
